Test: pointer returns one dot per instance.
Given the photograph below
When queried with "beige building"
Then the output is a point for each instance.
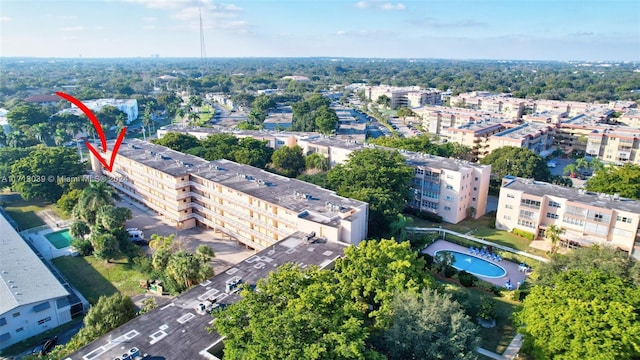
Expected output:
(408, 96)
(476, 135)
(438, 119)
(504, 104)
(533, 136)
(256, 207)
(631, 118)
(587, 218)
(617, 145)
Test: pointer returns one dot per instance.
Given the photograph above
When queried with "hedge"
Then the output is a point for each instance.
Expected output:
(525, 234)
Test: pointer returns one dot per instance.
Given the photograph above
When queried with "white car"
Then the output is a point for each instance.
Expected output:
(552, 164)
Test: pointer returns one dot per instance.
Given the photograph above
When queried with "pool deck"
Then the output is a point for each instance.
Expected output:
(512, 268)
(44, 246)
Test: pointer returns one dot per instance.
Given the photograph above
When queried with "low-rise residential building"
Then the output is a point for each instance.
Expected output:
(618, 145)
(587, 218)
(476, 135)
(280, 118)
(504, 104)
(44, 100)
(533, 136)
(220, 99)
(469, 180)
(630, 118)
(408, 96)
(256, 207)
(32, 300)
(438, 119)
(127, 106)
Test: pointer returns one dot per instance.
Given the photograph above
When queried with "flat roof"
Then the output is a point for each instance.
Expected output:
(479, 126)
(177, 331)
(24, 278)
(539, 188)
(523, 130)
(276, 189)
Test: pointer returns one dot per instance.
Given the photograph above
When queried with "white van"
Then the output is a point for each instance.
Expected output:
(136, 236)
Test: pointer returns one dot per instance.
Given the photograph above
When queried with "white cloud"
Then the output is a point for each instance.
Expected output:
(72, 28)
(61, 17)
(149, 19)
(5, 18)
(148, 27)
(341, 32)
(362, 4)
(390, 6)
(432, 23)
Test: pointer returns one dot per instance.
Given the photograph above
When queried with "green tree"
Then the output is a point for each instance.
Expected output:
(405, 112)
(93, 197)
(110, 115)
(105, 246)
(553, 234)
(177, 141)
(111, 218)
(429, 325)
(158, 242)
(188, 269)
(379, 177)
(288, 161)
(253, 152)
(28, 115)
(295, 314)
(374, 271)
(517, 161)
(582, 316)
(384, 100)
(571, 169)
(316, 161)
(326, 120)
(443, 259)
(79, 229)
(623, 180)
(109, 313)
(68, 200)
(38, 172)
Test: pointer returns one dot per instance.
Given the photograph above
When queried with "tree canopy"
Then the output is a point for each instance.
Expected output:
(36, 175)
(582, 316)
(109, 313)
(379, 177)
(177, 141)
(314, 114)
(623, 180)
(428, 325)
(288, 161)
(517, 161)
(423, 144)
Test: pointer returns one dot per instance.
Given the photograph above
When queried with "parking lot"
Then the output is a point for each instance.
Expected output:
(228, 252)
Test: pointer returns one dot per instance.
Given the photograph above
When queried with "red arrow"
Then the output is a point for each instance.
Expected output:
(98, 127)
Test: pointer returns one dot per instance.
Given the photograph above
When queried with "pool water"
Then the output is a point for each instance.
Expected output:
(60, 239)
(475, 265)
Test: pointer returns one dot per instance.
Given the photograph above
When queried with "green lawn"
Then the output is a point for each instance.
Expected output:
(93, 277)
(497, 338)
(33, 341)
(482, 228)
(24, 212)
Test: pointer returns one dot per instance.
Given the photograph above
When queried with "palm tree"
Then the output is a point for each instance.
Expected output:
(3, 137)
(16, 139)
(572, 169)
(193, 117)
(444, 259)
(552, 234)
(96, 195)
(159, 242)
(596, 165)
(582, 164)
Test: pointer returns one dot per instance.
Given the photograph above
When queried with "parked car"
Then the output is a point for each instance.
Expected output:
(47, 345)
(552, 164)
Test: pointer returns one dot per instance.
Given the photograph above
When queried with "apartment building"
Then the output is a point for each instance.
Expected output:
(618, 145)
(470, 181)
(533, 136)
(630, 118)
(438, 119)
(587, 218)
(504, 104)
(453, 189)
(127, 106)
(476, 135)
(256, 207)
(409, 96)
(32, 300)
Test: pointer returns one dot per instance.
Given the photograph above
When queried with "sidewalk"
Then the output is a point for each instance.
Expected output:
(509, 354)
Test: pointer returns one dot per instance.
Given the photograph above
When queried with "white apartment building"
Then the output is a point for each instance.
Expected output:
(32, 300)
(587, 218)
(408, 96)
(127, 106)
(254, 206)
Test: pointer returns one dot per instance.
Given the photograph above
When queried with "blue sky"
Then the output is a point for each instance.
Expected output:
(471, 29)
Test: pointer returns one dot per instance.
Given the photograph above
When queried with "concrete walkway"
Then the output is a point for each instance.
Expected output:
(510, 353)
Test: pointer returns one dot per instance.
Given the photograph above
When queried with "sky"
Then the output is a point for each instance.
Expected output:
(602, 30)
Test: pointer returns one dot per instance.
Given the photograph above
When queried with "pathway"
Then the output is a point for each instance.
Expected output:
(510, 353)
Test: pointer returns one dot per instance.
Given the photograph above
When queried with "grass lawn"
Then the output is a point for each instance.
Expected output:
(30, 343)
(497, 338)
(24, 212)
(93, 277)
(482, 228)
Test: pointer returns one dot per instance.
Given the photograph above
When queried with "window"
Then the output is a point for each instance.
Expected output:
(3, 321)
(19, 329)
(552, 216)
(526, 223)
(620, 232)
(510, 196)
(4, 337)
(449, 187)
(476, 178)
(16, 314)
(530, 203)
(554, 204)
(429, 205)
(473, 199)
(624, 219)
(507, 206)
(446, 208)
(572, 221)
(449, 176)
(527, 214)
(419, 171)
(47, 319)
(475, 188)
(448, 198)
(507, 217)
(597, 217)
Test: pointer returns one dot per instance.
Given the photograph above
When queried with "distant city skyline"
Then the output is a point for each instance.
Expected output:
(502, 29)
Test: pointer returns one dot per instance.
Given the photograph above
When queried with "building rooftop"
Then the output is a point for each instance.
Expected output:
(178, 331)
(42, 98)
(437, 162)
(480, 125)
(523, 130)
(539, 188)
(308, 200)
(24, 278)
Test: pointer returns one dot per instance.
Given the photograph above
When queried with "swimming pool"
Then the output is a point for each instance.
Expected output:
(60, 239)
(475, 265)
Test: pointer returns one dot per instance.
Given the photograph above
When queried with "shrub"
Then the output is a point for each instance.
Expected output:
(524, 234)
(423, 215)
(83, 247)
(486, 286)
(466, 279)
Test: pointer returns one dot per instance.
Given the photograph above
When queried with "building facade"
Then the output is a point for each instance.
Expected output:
(617, 145)
(256, 207)
(32, 300)
(587, 218)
